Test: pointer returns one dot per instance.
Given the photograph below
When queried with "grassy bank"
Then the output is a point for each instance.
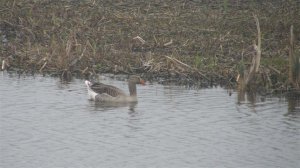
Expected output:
(201, 42)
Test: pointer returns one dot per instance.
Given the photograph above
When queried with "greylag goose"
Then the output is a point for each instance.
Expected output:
(106, 93)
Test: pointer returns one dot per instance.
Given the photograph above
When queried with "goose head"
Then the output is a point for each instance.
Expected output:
(134, 79)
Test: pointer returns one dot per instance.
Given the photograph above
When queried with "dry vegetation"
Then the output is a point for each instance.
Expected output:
(196, 41)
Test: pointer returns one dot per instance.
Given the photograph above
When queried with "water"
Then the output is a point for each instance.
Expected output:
(49, 124)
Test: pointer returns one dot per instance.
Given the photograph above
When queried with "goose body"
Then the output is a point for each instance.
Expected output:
(107, 93)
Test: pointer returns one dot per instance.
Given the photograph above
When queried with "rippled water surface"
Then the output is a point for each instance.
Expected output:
(46, 123)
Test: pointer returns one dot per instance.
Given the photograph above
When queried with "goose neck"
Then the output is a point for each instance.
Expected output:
(132, 88)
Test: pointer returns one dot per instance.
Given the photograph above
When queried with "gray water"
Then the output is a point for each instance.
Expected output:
(47, 123)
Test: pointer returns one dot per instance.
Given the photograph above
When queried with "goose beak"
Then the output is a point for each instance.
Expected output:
(142, 82)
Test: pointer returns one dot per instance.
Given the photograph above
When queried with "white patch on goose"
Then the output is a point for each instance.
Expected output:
(91, 93)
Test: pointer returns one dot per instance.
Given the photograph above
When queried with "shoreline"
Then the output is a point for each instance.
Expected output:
(202, 43)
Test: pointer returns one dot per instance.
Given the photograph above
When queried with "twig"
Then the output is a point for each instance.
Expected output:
(140, 39)
(41, 69)
(85, 69)
(181, 63)
(274, 69)
(177, 61)
(168, 43)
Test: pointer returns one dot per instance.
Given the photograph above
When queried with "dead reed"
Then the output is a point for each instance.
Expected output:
(294, 63)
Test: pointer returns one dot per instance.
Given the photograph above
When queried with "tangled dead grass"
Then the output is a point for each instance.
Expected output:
(201, 41)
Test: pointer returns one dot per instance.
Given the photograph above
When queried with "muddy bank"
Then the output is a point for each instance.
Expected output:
(190, 42)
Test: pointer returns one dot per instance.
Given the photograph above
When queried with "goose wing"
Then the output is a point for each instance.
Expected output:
(101, 88)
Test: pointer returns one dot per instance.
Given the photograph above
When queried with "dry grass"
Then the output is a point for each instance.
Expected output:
(89, 36)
